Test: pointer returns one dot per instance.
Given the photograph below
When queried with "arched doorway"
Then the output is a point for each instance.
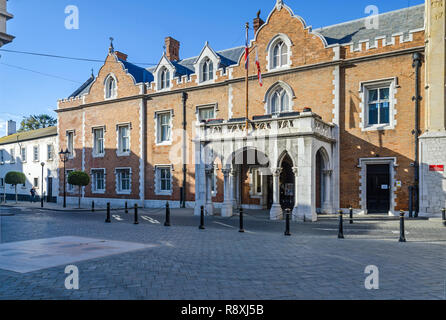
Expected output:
(287, 183)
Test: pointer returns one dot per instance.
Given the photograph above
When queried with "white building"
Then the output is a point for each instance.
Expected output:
(4, 16)
(26, 152)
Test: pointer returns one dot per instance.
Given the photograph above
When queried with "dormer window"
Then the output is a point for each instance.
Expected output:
(110, 87)
(207, 70)
(164, 79)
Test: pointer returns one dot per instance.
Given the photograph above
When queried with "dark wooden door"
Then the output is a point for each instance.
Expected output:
(378, 188)
(49, 195)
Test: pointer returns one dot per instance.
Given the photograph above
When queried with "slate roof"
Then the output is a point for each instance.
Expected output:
(403, 20)
(390, 23)
(85, 88)
(29, 135)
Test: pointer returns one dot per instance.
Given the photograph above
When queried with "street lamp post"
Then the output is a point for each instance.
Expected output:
(64, 158)
(41, 192)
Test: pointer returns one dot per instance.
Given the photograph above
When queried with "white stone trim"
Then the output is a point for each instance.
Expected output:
(117, 187)
(164, 63)
(206, 106)
(142, 130)
(164, 143)
(93, 153)
(230, 100)
(272, 89)
(118, 149)
(115, 93)
(206, 52)
(157, 181)
(93, 188)
(363, 162)
(363, 90)
(279, 37)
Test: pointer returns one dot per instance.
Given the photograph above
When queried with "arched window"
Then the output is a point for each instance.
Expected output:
(110, 87)
(164, 79)
(207, 70)
(280, 55)
(279, 101)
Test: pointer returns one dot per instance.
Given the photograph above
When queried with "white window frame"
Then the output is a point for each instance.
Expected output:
(70, 144)
(2, 156)
(364, 87)
(158, 190)
(207, 70)
(94, 188)
(12, 155)
(280, 85)
(206, 106)
(108, 94)
(95, 142)
(118, 172)
(50, 152)
(34, 182)
(165, 78)
(38, 153)
(23, 155)
(270, 50)
(158, 115)
(119, 150)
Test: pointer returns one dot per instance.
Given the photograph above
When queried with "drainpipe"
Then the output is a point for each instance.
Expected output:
(417, 61)
(183, 191)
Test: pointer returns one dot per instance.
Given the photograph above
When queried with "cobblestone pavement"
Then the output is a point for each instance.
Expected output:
(221, 263)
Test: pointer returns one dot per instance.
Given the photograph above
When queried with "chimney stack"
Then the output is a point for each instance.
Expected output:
(172, 49)
(11, 127)
(258, 22)
(121, 55)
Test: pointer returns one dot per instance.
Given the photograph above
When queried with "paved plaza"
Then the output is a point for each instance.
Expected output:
(183, 262)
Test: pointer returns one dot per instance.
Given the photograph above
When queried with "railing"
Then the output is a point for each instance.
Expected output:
(296, 124)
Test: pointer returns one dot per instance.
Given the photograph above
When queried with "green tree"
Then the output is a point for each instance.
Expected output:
(14, 178)
(80, 179)
(35, 122)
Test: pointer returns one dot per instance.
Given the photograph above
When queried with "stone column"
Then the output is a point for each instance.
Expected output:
(327, 206)
(306, 181)
(276, 210)
(233, 183)
(209, 205)
(226, 210)
(296, 193)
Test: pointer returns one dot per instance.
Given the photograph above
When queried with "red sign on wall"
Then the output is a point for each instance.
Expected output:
(436, 168)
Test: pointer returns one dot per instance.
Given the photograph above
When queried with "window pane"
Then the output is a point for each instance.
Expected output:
(276, 54)
(384, 113)
(211, 70)
(274, 103)
(373, 95)
(284, 55)
(285, 102)
(384, 94)
(373, 113)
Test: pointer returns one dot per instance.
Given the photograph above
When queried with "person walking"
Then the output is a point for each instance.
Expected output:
(33, 194)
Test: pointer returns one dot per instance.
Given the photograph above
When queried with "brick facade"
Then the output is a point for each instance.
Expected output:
(326, 78)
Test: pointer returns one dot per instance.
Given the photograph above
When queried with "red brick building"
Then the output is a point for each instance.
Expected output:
(331, 124)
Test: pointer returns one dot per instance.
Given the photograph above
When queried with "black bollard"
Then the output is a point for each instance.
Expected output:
(201, 227)
(108, 220)
(126, 207)
(167, 223)
(287, 222)
(92, 206)
(136, 214)
(41, 201)
(351, 215)
(341, 225)
(402, 232)
(242, 229)
(443, 216)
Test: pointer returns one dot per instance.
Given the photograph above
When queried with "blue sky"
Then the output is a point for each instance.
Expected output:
(139, 28)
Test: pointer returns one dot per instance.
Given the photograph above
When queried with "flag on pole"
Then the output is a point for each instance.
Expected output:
(259, 71)
(247, 50)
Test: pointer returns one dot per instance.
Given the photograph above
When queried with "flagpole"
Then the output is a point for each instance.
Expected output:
(247, 77)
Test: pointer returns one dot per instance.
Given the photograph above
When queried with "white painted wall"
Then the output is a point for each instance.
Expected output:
(32, 169)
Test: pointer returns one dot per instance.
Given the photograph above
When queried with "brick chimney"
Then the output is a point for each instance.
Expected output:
(258, 22)
(172, 49)
(121, 55)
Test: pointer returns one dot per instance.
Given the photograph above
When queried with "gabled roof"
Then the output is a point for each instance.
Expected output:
(140, 74)
(29, 135)
(390, 23)
(85, 88)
